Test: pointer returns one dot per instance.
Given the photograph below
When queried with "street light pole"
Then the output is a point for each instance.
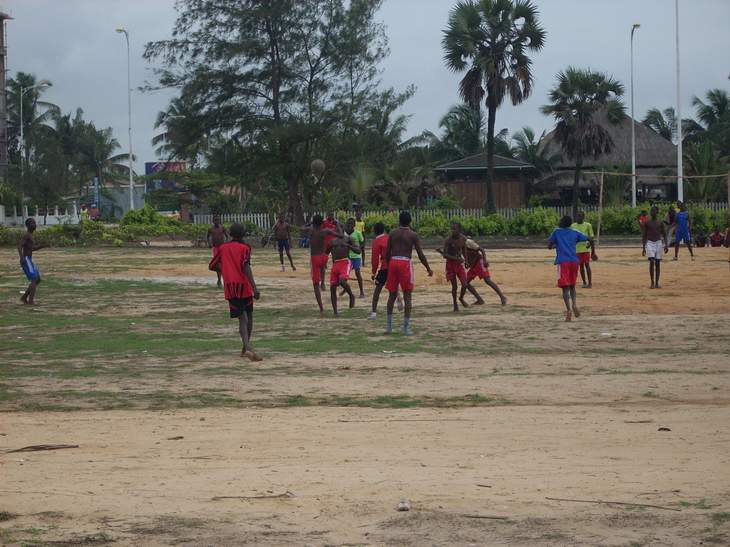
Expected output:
(633, 122)
(129, 108)
(680, 157)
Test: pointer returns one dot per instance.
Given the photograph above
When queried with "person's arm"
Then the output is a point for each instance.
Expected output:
(664, 238)
(21, 248)
(421, 256)
(446, 255)
(551, 241)
(644, 238)
(208, 238)
(484, 258)
(592, 245)
(388, 249)
(249, 274)
(215, 263)
(374, 261)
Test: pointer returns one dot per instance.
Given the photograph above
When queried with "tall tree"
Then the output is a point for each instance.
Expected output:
(664, 123)
(714, 114)
(532, 150)
(281, 76)
(576, 102)
(490, 40)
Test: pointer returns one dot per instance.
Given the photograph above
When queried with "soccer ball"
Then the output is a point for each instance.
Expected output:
(318, 168)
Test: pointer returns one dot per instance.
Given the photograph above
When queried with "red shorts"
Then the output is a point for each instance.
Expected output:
(455, 270)
(340, 271)
(216, 250)
(400, 274)
(318, 262)
(584, 258)
(567, 274)
(477, 271)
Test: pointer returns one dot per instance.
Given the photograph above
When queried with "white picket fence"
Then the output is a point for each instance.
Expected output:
(266, 220)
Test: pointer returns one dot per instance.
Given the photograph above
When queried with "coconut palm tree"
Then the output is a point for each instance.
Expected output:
(532, 150)
(664, 123)
(490, 41)
(575, 103)
(715, 116)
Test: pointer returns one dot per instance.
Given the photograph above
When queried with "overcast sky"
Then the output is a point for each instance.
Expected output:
(73, 44)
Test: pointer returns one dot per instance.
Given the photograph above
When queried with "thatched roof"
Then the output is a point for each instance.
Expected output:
(478, 162)
(652, 150)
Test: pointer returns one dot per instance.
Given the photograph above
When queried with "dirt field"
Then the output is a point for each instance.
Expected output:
(478, 420)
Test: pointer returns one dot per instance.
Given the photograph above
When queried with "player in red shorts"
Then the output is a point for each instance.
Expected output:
(332, 224)
(380, 268)
(453, 252)
(476, 260)
(233, 261)
(564, 240)
(217, 236)
(318, 256)
(586, 251)
(401, 243)
(340, 247)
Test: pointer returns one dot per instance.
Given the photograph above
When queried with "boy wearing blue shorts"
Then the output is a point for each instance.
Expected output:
(282, 233)
(356, 256)
(683, 231)
(25, 250)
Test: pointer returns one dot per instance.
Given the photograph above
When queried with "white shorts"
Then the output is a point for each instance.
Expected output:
(655, 250)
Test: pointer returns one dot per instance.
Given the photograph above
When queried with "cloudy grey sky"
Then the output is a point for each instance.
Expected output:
(73, 44)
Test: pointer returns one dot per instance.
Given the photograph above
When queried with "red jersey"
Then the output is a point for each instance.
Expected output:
(328, 225)
(377, 253)
(231, 261)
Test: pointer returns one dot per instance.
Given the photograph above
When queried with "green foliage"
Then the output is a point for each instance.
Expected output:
(433, 225)
(538, 221)
(389, 219)
(148, 216)
(617, 220)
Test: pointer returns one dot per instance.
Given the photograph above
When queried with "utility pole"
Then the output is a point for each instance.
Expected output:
(3, 102)
(680, 158)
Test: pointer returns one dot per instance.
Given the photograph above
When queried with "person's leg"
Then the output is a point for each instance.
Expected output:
(566, 300)
(333, 297)
(454, 289)
(676, 249)
(291, 260)
(24, 298)
(689, 246)
(359, 282)
(657, 273)
(32, 288)
(281, 256)
(496, 289)
(323, 273)
(464, 286)
(346, 287)
(243, 331)
(318, 296)
(479, 300)
(589, 274)
(573, 299)
(376, 297)
(652, 272)
(407, 315)
(389, 320)
(583, 274)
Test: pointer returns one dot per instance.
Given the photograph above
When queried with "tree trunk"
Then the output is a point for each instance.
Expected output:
(576, 183)
(489, 205)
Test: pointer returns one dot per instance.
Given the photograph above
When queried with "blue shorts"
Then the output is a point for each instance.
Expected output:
(356, 263)
(30, 270)
(683, 236)
(283, 244)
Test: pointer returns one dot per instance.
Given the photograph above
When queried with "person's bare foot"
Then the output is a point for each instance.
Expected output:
(321, 314)
(576, 312)
(456, 309)
(294, 268)
(568, 316)
(251, 356)
(24, 299)
(463, 303)
(479, 302)
(362, 295)
(657, 286)
(504, 300)
(589, 286)
(652, 286)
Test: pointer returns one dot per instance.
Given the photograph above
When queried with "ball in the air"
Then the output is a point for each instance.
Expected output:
(318, 167)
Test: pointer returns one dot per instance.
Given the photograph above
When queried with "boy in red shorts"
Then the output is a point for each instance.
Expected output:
(340, 247)
(476, 260)
(401, 243)
(233, 261)
(453, 252)
(564, 240)
(584, 250)
(318, 255)
(380, 268)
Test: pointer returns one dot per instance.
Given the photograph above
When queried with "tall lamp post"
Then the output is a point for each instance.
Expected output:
(633, 122)
(23, 91)
(680, 157)
(129, 107)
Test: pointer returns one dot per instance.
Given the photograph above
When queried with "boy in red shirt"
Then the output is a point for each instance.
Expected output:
(380, 267)
(233, 261)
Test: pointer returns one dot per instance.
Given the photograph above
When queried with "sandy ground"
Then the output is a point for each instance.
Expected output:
(574, 412)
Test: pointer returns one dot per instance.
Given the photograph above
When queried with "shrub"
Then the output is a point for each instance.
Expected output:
(537, 221)
(433, 226)
(389, 219)
(147, 216)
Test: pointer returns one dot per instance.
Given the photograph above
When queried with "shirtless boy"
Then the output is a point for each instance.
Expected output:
(340, 248)
(380, 267)
(654, 240)
(25, 250)
(282, 233)
(233, 260)
(476, 261)
(318, 254)
(217, 236)
(401, 243)
(453, 252)
(356, 256)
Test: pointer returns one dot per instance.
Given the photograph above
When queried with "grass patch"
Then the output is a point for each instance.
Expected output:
(702, 504)
(6, 516)
(720, 518)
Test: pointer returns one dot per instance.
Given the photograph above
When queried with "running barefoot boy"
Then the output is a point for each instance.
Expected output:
(584, 249)
(318, 256)
(25, 251)
(282, 233)
(476, 261)
(356, 256)
(683, 231)
(401, 243)
(453, 252)
(654, 240)
(380, 267)
(217, 236)
(340, 248)
(233, 260)
(563, 240)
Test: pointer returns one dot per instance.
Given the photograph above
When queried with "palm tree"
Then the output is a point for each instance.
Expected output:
(490, 40)
(664, 123)
(715, 110)
(702, 159)
(575, 102)
(532, 150)
(463, 128)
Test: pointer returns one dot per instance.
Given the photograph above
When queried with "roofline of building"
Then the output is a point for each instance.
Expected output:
(482, 168)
